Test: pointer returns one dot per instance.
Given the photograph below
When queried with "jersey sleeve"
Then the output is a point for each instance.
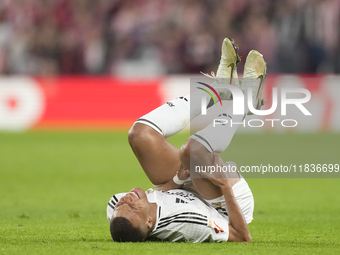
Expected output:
(112, 204)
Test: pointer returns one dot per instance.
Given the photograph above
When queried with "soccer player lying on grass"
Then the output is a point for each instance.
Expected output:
(220, 205)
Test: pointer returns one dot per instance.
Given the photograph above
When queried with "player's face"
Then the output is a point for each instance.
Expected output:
(134, 206)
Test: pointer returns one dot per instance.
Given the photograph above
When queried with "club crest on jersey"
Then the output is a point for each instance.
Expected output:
(213, 225)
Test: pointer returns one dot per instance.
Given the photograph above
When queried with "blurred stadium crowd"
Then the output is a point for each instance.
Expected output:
(136, 37)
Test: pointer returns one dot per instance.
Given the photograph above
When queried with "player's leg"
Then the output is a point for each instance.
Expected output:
(203, 148)
(147, 137)
(202, 151)
(159, 158)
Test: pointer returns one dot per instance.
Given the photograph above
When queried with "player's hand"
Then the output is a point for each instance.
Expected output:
(219, 178)
(183, 173)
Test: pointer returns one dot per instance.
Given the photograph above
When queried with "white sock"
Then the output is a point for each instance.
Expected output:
(217, 136)
(174, 115)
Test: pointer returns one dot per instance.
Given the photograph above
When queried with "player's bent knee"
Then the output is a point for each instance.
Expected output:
(137, 133)
(141, 135)
(133, 134)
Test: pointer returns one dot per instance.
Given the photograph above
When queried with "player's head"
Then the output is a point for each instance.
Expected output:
(132, 219)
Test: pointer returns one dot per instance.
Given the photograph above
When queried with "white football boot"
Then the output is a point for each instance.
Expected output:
(226, 71)
(254, 76)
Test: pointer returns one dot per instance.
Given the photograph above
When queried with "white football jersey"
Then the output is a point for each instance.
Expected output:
(181, 216)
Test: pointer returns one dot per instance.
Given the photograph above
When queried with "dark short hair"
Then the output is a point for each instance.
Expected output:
(122, 231)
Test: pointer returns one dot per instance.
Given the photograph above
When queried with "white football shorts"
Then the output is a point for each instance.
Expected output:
(244, 198)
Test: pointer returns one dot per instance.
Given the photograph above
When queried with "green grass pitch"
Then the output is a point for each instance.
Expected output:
(54, 188)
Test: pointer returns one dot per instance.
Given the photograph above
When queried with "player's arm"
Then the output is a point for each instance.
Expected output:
(176, 182)
(193, 153)
(238, 228)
